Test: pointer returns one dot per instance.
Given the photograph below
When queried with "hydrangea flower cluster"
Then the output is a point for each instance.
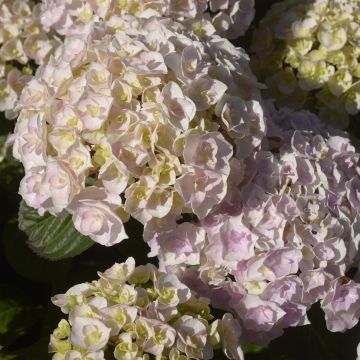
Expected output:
(228, 18)
(138, 115)
(151, 112)
(284, 236)
(22, 39)
(308, 53)
(139, 313)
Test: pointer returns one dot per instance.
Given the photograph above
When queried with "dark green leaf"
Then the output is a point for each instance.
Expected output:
(36, 351)
(10, 357)
(18, 314)
(252, 348)
(11, 172)
(9, 308)
(52, 237)
(3, 138)
(26, 263)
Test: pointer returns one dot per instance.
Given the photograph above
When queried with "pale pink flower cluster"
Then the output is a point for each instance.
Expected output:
(139, 313)
(151, 112)
(228, 18)
(22, 39)
(284, 236)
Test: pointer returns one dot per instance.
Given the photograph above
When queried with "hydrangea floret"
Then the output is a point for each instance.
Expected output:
(139, 122)
(140, 313)
(22, 40)
(283, 238)
(228, 18)
(307, 53)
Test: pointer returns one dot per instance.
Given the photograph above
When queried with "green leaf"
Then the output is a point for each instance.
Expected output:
(52, 237)
(26, 263)
(9, 357)
(11, 172)
(3, 138)
(18, 315)
(252, 348)
(36, 351)
(9, 309)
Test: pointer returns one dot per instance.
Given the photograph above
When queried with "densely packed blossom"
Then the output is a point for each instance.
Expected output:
(228, 18)
(140, 313)
(308, 53)
(284, 236)
(22, 39)
(150, 112)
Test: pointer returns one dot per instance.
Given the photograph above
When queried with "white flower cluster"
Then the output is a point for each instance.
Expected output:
(138, 313)
(228, 18)
(283, 238)
(22, 39)
(150, 112)
(308, 53)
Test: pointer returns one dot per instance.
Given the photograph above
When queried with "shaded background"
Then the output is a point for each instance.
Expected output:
(27, 282)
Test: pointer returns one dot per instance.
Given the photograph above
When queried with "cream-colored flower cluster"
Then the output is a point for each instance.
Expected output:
(139, 313)
(308, 54)
(151, 112)
(228, 18)
(22, 39)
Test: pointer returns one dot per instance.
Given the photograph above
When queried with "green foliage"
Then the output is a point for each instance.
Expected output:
(9, 309)
(3, 138)
(52, 237)
(11, 172)
(26, 263)
(252, 348)
(18, 314)
(9, 357)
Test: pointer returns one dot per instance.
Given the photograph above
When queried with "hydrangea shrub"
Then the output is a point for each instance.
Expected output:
(144, 109)
(284, 236)
(151, 112)
(307, 53)
(228, 18)
(22, 40)
(140, 313)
